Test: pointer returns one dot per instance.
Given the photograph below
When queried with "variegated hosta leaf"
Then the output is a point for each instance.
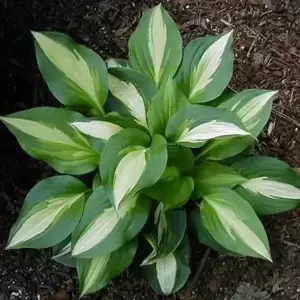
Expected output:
(210, 175)
(117, 63)
(98, 129)
(170, 273)
(76, 75)
(170, 230)
(164, 105)
(155, 48)
(128, 94)
(51, 211)
(206, 68)
(232, 222)
(62, 253)
(269, 196)
(130, 163)
(253, 107)
(133, 90)
(101, 230)
(95, 273)
(271, 186)
(45, 133)
(194, 125)
(208, 131)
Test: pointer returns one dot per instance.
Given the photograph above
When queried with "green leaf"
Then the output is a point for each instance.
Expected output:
(271, 188)
(75, 75)
(221, 149)
(94, 274)
(97, 181)
(130, 163)
(46, 133)
(170, 273)
(132, 90)
(194, 125)
(117, 63)
(51, 211)
(253, 107)
(101, 230)
(173, 192)
(206, 68)
(155, 47)
(171, 227)
(62, 253)
(164, 105)
(180, 157)
(202, 234)
(232, 222)
(209, 175)
(262, 166)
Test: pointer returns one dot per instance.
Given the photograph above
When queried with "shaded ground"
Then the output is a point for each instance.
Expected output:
(267, 41)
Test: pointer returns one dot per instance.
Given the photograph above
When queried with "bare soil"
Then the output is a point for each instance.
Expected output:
(267, 44)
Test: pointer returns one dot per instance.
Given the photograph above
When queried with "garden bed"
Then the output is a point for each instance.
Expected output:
(267, 45)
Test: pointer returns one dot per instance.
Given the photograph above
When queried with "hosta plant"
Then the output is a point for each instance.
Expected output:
(168, 146)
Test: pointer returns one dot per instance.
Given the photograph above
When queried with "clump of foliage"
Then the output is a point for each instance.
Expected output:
(169, 146)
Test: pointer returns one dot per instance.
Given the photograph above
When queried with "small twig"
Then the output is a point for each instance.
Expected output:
(284, 116)
(226, 23)
(251, 47)
(198, 273)
(291, 244)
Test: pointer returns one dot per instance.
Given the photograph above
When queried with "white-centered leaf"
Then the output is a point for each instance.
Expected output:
(128, 172)
(249, 113)
(272, 189)
(157, 40)
(211, 130)
(210, 61)
(98, 268)
(40, 131)
(97, 231)
(40, 221)
(98, 129)
(233, 224)
(70, 63)
(65, 250)
(166, 269)
(128, 94)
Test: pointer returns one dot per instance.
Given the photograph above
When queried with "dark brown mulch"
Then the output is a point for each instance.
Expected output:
(267, 42)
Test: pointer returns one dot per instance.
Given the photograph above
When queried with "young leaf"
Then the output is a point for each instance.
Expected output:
(133, 90)
(62, 253)
(97, 181)
(194, 125)
(76, 75)
(171, 227)
(101, 230)
(95, 273)
(209, 175)
(232, 222)
(170, 273)
(164, 105)
(180, 157)
(45, 133)
(253, 107)
(51, 211)
(97, 129)
(206, 68)
(128, 164)
(155, 47)
(173, 193)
